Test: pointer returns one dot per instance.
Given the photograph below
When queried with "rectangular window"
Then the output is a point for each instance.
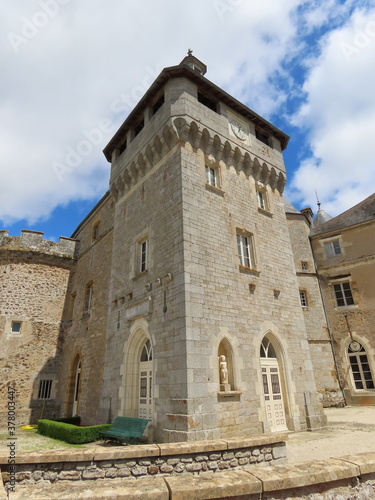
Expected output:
(143, 255)
(304, 266)
(139, 127)
(206, 101)
(261, 200)
(332, 248)
(212, 176)
(262, 136)
(158, 104)
(343, 294)
(16, 327)
(88, 298)
(45, 389)
(245, 251)
(303, 298)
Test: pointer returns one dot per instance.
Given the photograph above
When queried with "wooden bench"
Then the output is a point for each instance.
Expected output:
(125, 429)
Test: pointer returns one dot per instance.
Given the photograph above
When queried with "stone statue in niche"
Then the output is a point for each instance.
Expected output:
(223, 372)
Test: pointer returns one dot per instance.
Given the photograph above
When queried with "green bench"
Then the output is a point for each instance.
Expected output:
(125, 429)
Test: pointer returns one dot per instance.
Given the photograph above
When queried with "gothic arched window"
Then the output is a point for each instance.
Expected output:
(360, 366)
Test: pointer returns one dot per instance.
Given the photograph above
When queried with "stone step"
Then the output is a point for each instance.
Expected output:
(119, 489)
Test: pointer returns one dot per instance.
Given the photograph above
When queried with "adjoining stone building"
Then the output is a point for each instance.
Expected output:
(184, 302)
(34, 279)
(344, 251)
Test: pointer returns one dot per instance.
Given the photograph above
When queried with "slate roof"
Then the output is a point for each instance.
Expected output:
(362, 212)
(321, 217)
(289, 208)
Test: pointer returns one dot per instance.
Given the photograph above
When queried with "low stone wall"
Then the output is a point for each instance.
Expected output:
(143, 460)
(349, 477)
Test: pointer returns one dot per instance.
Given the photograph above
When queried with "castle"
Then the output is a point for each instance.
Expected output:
(189, 294)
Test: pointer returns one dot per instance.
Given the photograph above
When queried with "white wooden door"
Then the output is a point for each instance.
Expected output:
(273, 396)
(145, 390)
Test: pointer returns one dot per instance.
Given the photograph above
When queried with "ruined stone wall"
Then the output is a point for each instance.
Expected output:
(356, 264)
(316, 325)
(85, 331)
(33, 283)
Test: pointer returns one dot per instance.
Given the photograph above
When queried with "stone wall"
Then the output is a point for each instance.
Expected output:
(146, 460)
(350, 477)
(33, 283)
(85, 331)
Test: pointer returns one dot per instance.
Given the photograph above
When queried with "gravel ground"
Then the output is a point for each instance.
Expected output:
(350, 430)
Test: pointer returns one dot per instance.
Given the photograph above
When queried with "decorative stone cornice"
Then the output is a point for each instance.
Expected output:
(182, 130)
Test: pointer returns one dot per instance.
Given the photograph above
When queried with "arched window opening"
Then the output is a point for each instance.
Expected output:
(146, 352)
(266, 349)
(145, 382)
(360, 367)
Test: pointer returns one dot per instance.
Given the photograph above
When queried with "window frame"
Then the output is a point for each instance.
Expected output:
(143, 255)
(212, 175)
(356, 356)
(330, 247)
(16, 332)
(338, 289)
(45, 389)
(88, 299)
(303, 299)
(247, 238)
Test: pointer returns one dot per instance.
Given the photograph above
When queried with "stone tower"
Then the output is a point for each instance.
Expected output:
(34, 276)
(200, 266)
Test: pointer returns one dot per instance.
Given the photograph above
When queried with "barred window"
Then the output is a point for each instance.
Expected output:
(303, 298)
(45, 389)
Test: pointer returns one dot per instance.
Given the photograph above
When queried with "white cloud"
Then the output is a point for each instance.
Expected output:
(339, 114)
(80, 65)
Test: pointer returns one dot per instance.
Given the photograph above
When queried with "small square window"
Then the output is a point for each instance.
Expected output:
(304, 266)
(16, 326)
(332, 248)
(303, 298)
(45, 389)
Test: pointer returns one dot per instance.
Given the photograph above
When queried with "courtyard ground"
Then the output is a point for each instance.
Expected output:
(350, 430)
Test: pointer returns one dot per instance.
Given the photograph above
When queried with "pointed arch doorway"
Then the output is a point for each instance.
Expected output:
(272, 386)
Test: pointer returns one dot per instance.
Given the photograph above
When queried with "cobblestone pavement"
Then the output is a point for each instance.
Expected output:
(350, 430)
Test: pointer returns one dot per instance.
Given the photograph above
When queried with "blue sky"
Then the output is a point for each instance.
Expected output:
(72, 71)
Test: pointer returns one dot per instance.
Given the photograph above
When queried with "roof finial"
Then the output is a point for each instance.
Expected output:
(317, 199)
(190, 52)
